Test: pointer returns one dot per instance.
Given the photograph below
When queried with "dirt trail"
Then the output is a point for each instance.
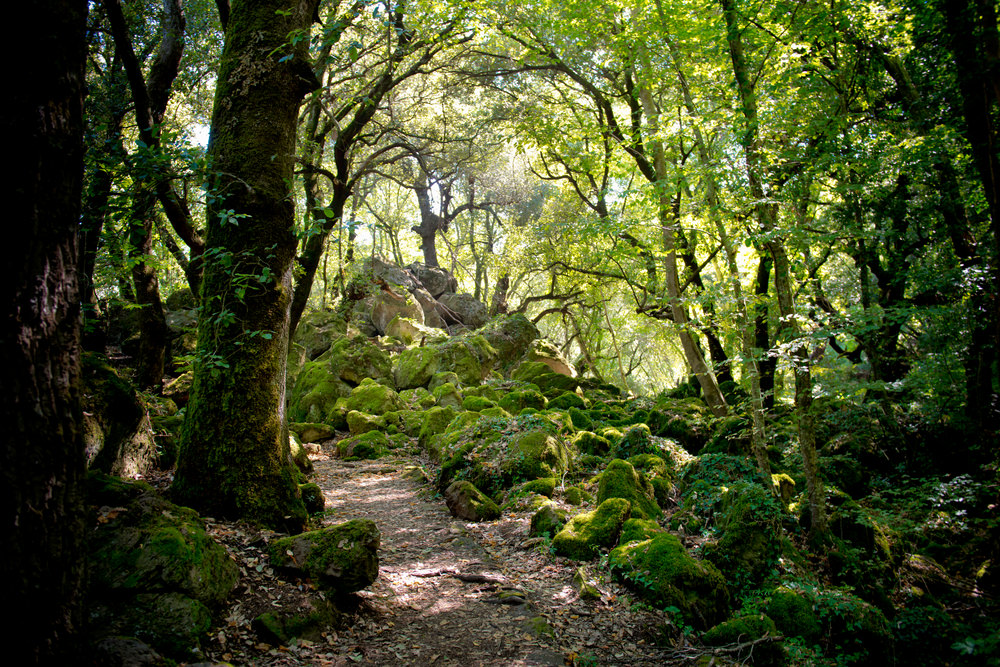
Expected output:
(456, 593)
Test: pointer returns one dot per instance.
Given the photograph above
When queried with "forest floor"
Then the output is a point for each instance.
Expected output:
(449, 592)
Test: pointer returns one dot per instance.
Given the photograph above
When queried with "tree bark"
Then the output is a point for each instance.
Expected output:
(234, 459)
(41, 459)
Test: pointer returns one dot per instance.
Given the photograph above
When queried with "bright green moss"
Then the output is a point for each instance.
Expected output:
(586, 533)
(590, 443)
(662, 570)
(621, 480)
(373, 399)
(794, 615)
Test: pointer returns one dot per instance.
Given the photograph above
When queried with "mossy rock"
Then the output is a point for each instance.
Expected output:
(360, 422)
(465, 501)
(509, 337)
(547, 520)
(538, 454)
(545, 486)
(793, 615)
(358, 359)
(638, 530)
(310, 621)
(516, 401)
(743, 630)
(368, 445)
(750, 536)
(447, 394)
(436, 420)
(318, 330)
(417, 399)
(574, 495)
(310, 432)
(580, 419)
(621, 480)
(415, 367)
(591, 443)
(496, 413)
(150, 545)
(312, 497)
(634, 441)
(588, 532)
(314, 395)
(173, 624)
(374, 399)
(341, 558)
(469, 356)
(477, 403)
(687, 421)
(565, 401)
(662, 570)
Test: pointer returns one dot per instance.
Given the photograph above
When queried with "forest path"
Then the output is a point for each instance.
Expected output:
(451, 592)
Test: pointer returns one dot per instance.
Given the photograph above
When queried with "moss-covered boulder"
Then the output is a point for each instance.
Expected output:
(143, 543)
(314, 396)
(547, 520)
(435, 422)
(588, 532)
(515, 401)
(415, 367)
(447, 394)
(565, 401)
(544, 486)
(574, 495)
(360, 422)
(749, 632)
(117, 433)
(310, 619)
(538, 454)
(477, 403)
(749, 541)
(467, 502)
(310, 432)
(793, 614)
(373, 399)
(469, 356)
(318, 330)
(472, 312)
(354, 360)
(509, 336)
(591, 443)
(389, 305)
(368, 445)
(661, 569)
(155, 574)
(341, 558)
(621, 480)
(637, 530)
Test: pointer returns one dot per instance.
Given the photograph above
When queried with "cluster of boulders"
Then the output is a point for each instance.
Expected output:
(407, 365)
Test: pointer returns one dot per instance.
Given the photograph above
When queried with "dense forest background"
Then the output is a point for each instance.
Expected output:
(790, 210)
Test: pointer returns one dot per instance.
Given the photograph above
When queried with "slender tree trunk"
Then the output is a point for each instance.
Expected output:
(152, 322)
(695, 358)
(41, 458)
(767, 220)
(234, 458)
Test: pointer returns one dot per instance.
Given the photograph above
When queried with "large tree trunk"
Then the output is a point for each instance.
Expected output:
(42, 461)
(234, 459)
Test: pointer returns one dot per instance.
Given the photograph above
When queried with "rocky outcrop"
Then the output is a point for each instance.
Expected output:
(155, 574)
(118, 436)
